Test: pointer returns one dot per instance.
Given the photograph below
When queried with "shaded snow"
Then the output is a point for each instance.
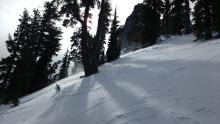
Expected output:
(176, 82)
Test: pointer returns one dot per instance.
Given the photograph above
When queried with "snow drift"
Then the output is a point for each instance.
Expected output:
(175, 82)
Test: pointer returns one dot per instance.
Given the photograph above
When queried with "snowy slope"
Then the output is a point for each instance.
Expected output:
(176, 82)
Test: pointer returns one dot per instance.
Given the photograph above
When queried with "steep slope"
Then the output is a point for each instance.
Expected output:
(176, 82)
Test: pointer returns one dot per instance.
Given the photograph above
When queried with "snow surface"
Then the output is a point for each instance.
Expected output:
(175, 82)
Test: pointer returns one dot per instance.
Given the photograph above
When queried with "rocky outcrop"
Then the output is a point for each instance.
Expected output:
(137, 31)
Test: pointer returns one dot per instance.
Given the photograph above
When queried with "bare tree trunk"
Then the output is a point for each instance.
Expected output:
(208, 25)
(87, 48)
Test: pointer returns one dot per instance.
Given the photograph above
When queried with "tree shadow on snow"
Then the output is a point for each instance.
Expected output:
(68, 104)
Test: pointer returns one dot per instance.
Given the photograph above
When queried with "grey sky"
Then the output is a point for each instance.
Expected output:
(9, 15)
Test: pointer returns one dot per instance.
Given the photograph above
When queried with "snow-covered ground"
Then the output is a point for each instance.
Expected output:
(176, 82)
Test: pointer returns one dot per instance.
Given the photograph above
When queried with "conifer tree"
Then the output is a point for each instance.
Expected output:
(12, 69)
(153, 11)
(186, 17)
(75, 54)
(28, 54)
(154, 4)
(102, 30)
(7, 64)
(50, 36)
(203, 20)
(35, 33)
(176, 17)
(53, 76)
(181, 17)
(79, 12)
(35, 42)
(167, 20)
(18, 82)
(65, 66)
(114, 47)
(216, 15)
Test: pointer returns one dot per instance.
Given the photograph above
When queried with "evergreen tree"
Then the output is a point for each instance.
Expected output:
(202, 19)
(216, 15)
(7, 64)
(18, 85)
(75, 54)
(12, 69)
(35, 34)
(48, 45)
(152, 13)
(76, 50)
(35, 42)
(167, 20)
(73, 10)
(102, 30)
(186, 17)
(114, 47)
(156, 5)
(180, 14)
(65, 66)
(177, 17)
(53, 77)
(28, 54)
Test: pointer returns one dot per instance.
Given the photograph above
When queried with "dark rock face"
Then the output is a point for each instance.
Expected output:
(138, 30)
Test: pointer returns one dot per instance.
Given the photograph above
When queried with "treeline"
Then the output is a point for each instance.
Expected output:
(154, 18)
(178, 17)
(206, 19)
(28, 67)
(36, 41)
(87, 49)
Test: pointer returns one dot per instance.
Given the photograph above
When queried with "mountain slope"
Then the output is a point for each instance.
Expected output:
(175, 82)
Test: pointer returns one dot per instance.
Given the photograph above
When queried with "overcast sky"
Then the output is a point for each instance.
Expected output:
(10, 11)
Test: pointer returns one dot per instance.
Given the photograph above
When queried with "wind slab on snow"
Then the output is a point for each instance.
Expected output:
(176, 82)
